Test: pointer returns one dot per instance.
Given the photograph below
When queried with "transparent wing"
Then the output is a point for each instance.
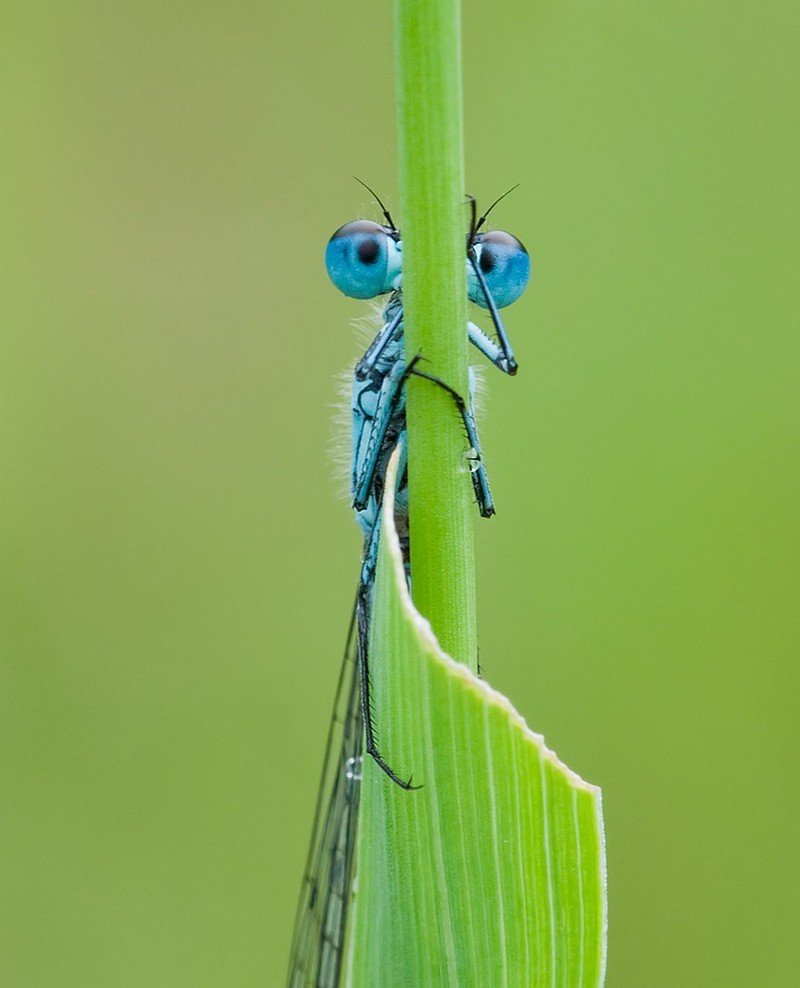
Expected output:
(319, 931)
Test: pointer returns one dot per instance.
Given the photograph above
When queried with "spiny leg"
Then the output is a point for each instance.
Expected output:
(363, 610)
(480, 482)
(511, 366)
(490, 349)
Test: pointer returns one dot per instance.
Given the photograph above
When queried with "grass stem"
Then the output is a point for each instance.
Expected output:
(431, 164)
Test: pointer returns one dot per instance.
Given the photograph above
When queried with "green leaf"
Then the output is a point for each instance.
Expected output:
(492, 873)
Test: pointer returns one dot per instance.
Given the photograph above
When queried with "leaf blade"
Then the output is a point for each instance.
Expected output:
(494, 871)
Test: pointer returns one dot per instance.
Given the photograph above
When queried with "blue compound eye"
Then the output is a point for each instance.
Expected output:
(505, 266)
(363, 260)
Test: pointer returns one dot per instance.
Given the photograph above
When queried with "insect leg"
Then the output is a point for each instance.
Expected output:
(378, 345)
(508, 357)
(363, 610)
(480, 482)
(490, 349)
(385, 410)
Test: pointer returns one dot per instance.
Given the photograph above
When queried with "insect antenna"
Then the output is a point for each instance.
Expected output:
(482, 220)
(377, 199)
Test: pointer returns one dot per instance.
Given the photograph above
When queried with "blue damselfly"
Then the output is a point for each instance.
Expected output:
(364, 260)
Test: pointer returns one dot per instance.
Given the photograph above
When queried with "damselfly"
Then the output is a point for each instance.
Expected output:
(364, 260)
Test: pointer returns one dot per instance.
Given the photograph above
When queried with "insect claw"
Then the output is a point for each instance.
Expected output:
(473, 458)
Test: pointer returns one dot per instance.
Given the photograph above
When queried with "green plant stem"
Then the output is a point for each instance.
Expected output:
(430, 145)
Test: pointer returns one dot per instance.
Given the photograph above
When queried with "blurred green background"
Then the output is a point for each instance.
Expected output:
(177, 567)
